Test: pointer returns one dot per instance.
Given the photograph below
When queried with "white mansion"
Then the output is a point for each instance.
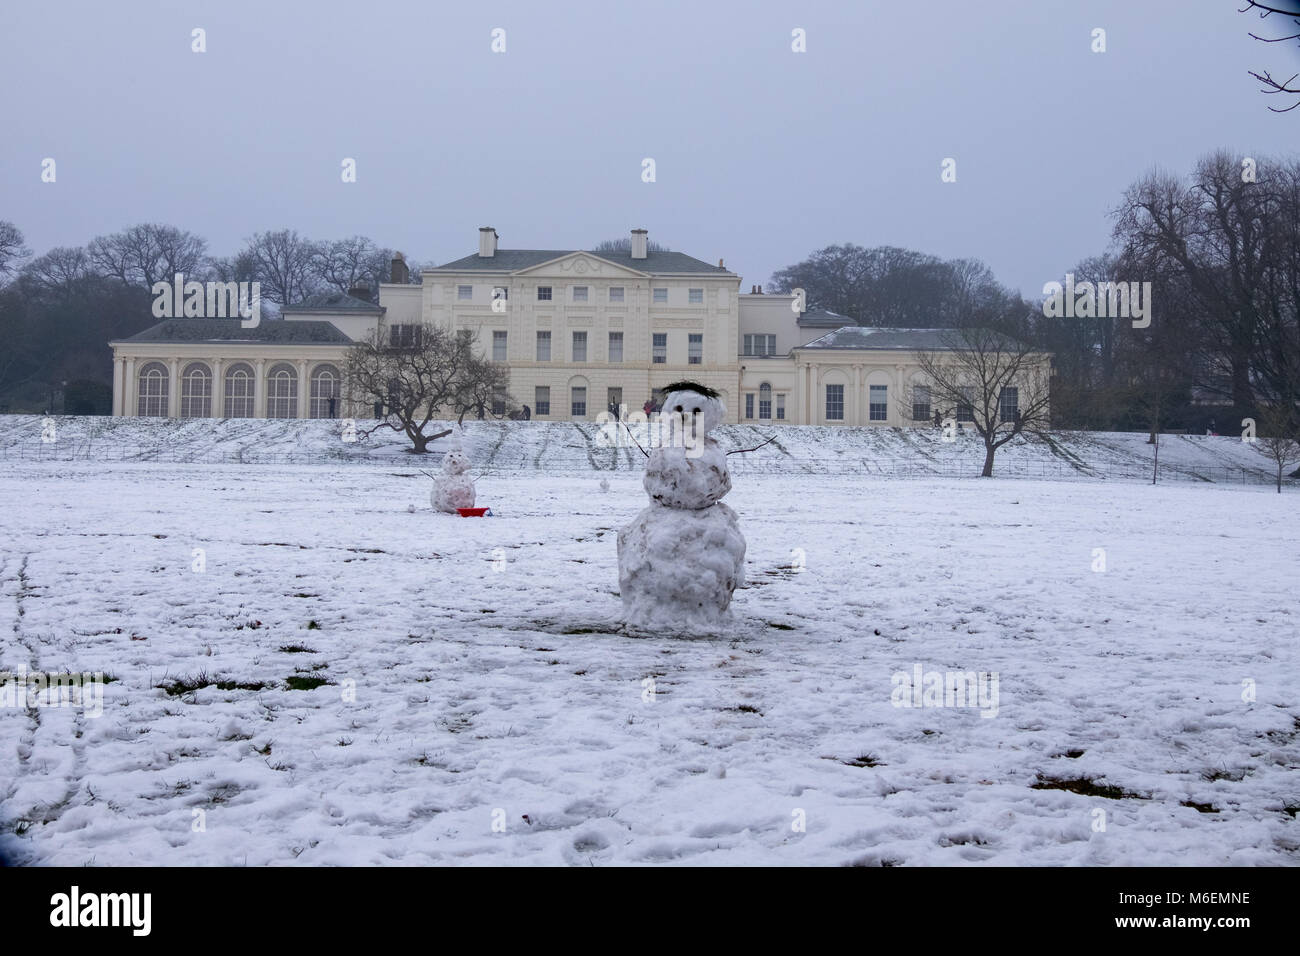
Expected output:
(580, 331)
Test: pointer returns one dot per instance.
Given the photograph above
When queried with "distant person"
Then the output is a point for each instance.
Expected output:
(528, 414)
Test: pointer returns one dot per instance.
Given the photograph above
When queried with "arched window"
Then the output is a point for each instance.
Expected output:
(282, 392)
(765, 400)
(196, 391)
(152, 391)
(239, 391)
(326, 388)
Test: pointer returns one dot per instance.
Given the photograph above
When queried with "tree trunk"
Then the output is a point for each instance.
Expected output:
(989, 450)
(421, 444)
(1279, 477)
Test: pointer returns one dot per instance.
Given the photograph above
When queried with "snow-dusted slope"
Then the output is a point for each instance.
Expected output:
(572, 447)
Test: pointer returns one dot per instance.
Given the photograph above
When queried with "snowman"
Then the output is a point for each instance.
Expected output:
(682, 557)
(453, 488)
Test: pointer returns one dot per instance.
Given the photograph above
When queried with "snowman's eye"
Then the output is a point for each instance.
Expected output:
(679, 408)
(695, 411)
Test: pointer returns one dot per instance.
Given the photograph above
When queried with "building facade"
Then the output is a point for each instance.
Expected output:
(581, 332)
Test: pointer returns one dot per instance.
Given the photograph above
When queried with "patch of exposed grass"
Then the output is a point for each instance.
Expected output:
(296, 649)
(185, 685)
(1202, 807)
(304, 681)
(1087, 788)
(865, 760)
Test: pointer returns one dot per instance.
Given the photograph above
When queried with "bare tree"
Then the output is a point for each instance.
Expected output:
(998, 384)
(12, 248)
(1287, 9)
(484, 390)
(1278, 442)
(623, 246)
(346, 262)
(425, 372)
(148, 253)
(283, 262)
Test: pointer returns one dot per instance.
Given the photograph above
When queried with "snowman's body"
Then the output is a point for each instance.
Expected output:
(453, 488)
(682, 557)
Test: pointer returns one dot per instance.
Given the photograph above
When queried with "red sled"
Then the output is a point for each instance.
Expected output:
(474, 512)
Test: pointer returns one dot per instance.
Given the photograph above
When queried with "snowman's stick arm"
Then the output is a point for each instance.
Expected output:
(741, 451)
(633, 437)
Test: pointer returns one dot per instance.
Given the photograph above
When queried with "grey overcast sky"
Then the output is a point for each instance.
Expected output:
(762, 154)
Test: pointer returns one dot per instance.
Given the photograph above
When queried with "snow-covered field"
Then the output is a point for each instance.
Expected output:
(474, 679)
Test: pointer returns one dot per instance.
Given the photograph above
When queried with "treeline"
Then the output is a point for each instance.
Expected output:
(59, 310)
(1220, 249)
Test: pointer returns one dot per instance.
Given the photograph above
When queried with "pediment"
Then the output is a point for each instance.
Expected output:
(577, 265)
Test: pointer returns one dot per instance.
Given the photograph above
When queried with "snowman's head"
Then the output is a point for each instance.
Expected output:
(455, 463)
(699, 406)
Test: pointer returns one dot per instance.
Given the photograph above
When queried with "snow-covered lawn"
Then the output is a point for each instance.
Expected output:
(490, 684)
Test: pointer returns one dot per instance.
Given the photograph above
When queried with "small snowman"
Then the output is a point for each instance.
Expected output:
(453, 488)
(682, 557)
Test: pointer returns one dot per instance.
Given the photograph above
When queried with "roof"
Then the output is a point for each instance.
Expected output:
(231, 330)
(334, 302)
(513, 260)
(911, 340)
(823, 318)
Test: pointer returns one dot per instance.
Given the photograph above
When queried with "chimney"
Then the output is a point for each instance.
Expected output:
(639, 243)
(720, 265)
(360, 290)
(760, 290)
(487, 242)
(400, 274)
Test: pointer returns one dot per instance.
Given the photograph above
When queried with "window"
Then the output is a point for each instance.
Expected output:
(616, 293)
(498, 400)
(695, 296)
(404, 336)
(579, 346)
(464, 292)
(542, 400)
(661, 295)
(282, 392)
(152, 391)
(615, 347)
(749, 404)
(325, 391)
(780, 406)
(878, 403)
(152, 388)
(544, 346)
(498, 346)
(764, 401)
(695, 348)
(760, 345)
(543, 293)
(500, 292)
(614, 402)
(921, 403)
(196, 391)
(239, 391)
(835, 403)
(1009, 404)
(660, 343)
(578, 401)
(966, 407)
(579, 293)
